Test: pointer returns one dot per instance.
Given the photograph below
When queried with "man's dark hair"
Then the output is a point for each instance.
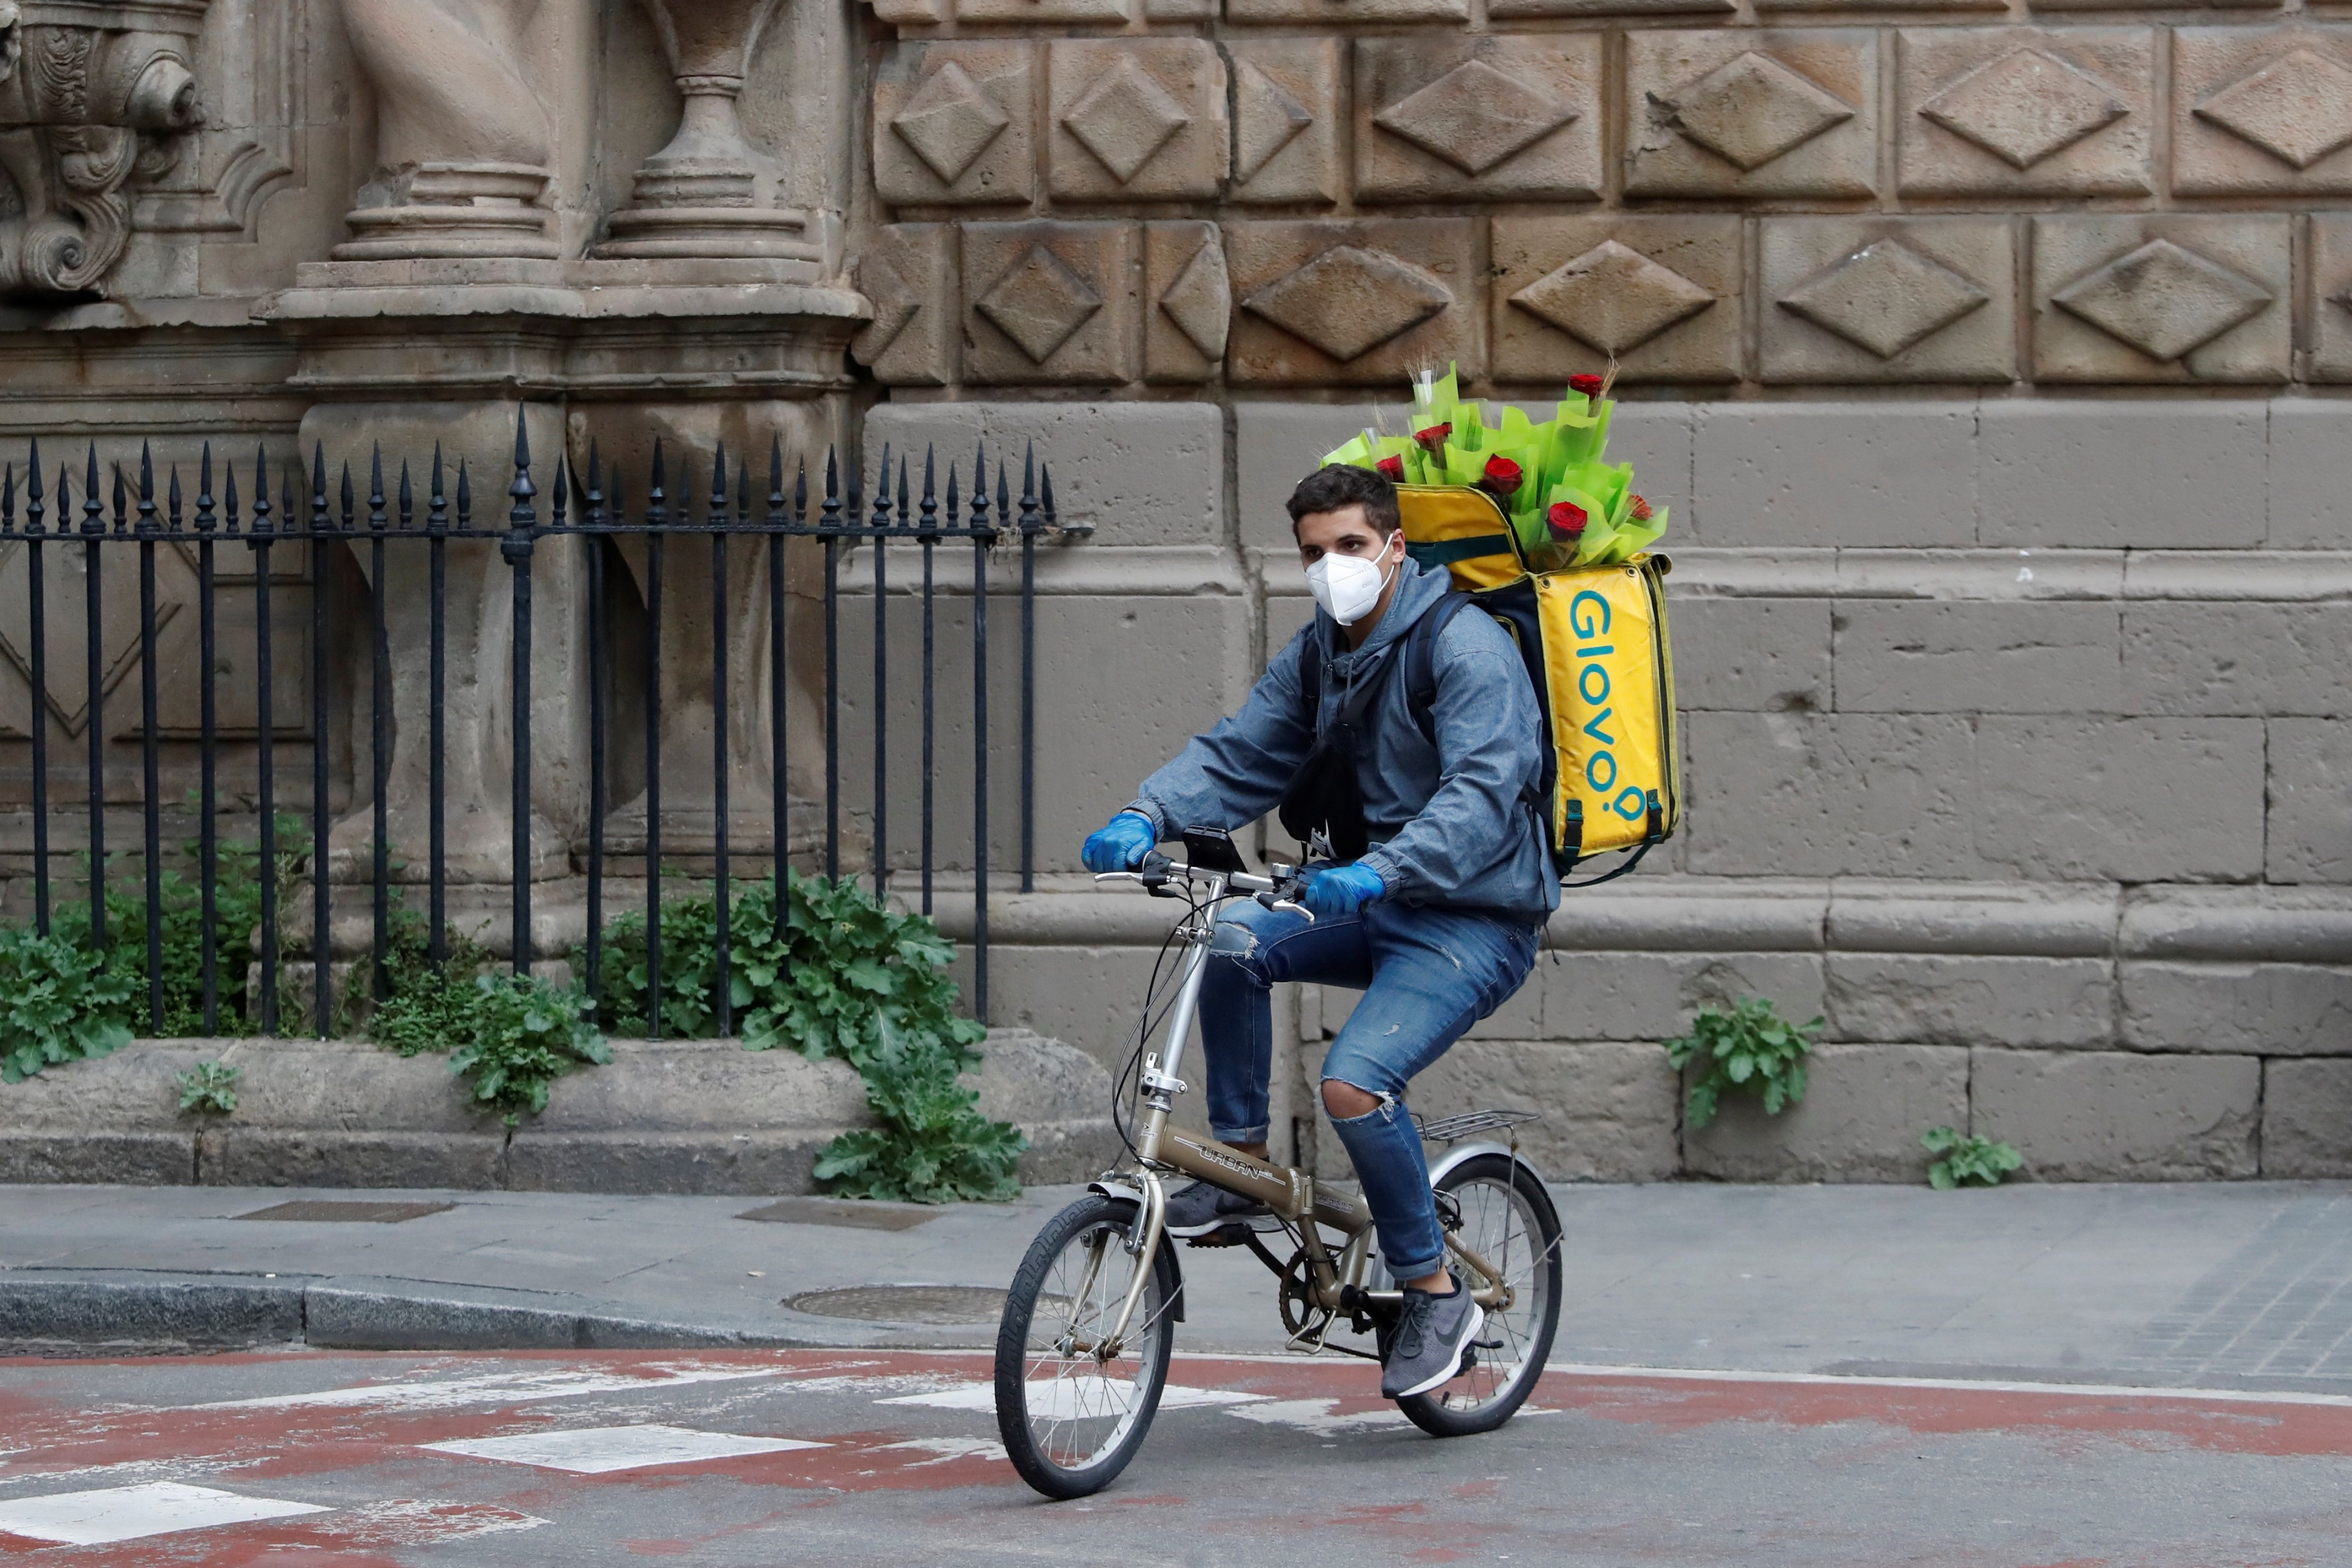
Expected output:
(1338, 485)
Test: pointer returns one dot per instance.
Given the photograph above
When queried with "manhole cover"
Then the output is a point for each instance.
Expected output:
(863, 1214)
(905, 1303)
(348, 1213)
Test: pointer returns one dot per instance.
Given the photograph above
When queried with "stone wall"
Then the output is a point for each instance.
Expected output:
(1989, 356)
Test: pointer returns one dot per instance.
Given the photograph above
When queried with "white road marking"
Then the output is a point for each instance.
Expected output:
(1315, 1416)
(1961, 1384)
(942, 1450)
(129, 1513)
(491, 1388)
(1075, 1395)
(598, 1450)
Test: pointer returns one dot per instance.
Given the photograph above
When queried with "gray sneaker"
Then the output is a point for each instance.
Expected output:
(1431, 1333)
(1201, 1209)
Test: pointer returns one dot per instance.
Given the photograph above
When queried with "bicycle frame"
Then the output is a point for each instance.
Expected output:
(1307, 1204)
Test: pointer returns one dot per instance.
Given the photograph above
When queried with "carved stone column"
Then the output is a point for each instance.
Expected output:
(465, 143)
(93, 100)
(709, 194)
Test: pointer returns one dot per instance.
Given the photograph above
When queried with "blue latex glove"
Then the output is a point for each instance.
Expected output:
(1343, 890)
(1120, 843)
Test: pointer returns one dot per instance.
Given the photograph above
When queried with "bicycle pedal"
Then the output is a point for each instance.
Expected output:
(1486, 1344)
(1236, 1234)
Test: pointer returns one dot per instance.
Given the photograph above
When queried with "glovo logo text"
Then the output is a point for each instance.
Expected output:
(1588, 616)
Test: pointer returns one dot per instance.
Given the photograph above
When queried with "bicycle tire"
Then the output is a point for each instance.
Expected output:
(1481, 1401)
(1024, 1401)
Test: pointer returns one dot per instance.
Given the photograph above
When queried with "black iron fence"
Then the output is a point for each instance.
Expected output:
(290, 533)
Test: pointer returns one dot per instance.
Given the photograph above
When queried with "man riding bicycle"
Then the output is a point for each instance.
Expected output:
(1435, 909)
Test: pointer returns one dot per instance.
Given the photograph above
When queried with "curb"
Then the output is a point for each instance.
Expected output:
(120, 1312)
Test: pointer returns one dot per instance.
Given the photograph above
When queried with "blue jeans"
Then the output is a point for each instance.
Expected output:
(1427, 975)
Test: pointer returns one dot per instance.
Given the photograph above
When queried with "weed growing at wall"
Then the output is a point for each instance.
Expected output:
(1966, 1159)
(209, 1086)
(1747, 1048)
(58, 1004)
(522, 1033)
(847, 976)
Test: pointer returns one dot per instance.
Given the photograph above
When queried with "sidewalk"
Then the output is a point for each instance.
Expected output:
(2214, 1284)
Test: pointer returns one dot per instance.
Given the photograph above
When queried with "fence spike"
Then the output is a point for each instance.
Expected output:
(522, 490)
(375, 486)
(522, 438)
(121, 501)
(92, 513)
(563, 492)
(1004, 501)
(775, 474)
(742, 493)
(407, 497)
(146, 472)
(229, 497)
(904, 514)
(654, 493)
(346, 497)
(800, 493)
(171, 495)
(7, 499)
(596, 496)
(319, 483)
(951, 493)
(465, 494)
(882, 491)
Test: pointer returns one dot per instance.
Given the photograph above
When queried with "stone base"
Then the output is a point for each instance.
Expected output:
(672, 1116)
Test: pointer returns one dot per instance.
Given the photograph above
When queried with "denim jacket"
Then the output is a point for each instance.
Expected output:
(1454, 825)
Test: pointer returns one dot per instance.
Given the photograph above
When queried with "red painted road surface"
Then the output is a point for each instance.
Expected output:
(359, 1461)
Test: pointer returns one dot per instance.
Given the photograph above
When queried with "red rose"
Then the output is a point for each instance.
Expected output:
(1502, 478)
(1589, 385)
(1566, 520)
(1391, 469)
(1433, 437)
(1641, 510)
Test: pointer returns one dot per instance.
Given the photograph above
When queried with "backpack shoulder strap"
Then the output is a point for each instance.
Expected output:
(1310, 673)
(1420, 660)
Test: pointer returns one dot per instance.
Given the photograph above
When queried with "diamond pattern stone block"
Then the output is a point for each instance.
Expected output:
(1141, 118)
(908, 272)
(1049, 302)
(1612, 297)
(1889, 300)
(2331, 288)
(1886, 297)
(1512, 116)
(1660, 293)
(1286, 120)
(1753, 109)
(2025, 106)
(1190, 301)
(1040, 303)
(1351, 302)
(2163, 298)
(1475, 116)
(1125, 118)
(1319, 13)
(66, 664)
(1772, 113)
(951, 124)
(2298, 109)
(2025, 110)
(2262, 109)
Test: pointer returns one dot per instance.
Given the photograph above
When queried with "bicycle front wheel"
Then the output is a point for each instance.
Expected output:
(1071, 1415)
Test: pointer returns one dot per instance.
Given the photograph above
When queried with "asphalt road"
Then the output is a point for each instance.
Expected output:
(856, 1457)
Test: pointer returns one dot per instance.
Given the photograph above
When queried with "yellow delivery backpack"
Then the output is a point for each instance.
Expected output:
(1594, 641)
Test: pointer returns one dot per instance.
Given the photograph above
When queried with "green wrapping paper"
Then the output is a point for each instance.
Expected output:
(1570, 507)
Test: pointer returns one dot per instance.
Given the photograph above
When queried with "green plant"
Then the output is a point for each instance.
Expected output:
(209, 1086)
(522, 1033)
(845, 976)
(428, 1007)
(58, 1004)
(1748, 1047)
(1966, 1159)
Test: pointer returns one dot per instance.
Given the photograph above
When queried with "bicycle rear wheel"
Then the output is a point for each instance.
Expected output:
(1070, 1418)
(1507, 1219)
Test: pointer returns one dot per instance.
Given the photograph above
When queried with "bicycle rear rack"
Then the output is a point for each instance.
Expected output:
(1453, 1129)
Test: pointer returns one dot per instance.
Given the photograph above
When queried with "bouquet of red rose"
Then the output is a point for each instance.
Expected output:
(1568, 507)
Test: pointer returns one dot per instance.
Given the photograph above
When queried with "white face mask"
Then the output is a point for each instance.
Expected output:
(1346, 586)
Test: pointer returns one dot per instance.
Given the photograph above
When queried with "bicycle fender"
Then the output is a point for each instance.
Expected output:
(1126, 1192)
(1461, 1152)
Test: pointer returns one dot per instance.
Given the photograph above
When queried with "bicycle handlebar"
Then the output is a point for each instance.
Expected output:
(1280, 892)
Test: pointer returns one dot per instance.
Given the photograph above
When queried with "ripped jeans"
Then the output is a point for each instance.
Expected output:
(1427, 975)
